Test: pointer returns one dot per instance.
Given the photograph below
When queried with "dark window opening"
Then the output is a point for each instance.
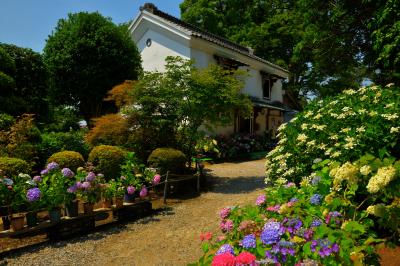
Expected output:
(266, 88)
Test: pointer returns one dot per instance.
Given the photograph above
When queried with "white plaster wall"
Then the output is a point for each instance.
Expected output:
(153, 57)
(201, 58)
(252, 86)
(276, 91)
(219, 130)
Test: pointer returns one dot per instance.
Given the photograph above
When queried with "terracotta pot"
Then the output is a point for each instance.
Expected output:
(119, 202)
(88, 207)
(17, 221)
(106, 203)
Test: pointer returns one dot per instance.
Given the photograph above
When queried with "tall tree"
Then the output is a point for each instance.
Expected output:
(326, 45)
(87, 55)
(30, 87)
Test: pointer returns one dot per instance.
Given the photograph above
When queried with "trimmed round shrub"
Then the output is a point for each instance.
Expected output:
(167, 159)
(107, 160)
(53, 142)
(70, 159)
(13, 166)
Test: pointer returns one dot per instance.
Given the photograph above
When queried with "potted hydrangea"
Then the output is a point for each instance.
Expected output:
(71, 202)
(6, 195)
(89, 190)
(53, 190)
(33, 197)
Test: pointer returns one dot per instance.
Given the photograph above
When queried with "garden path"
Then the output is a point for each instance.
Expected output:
(168, 238)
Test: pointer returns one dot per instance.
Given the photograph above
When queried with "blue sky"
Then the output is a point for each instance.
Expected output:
(27, 23)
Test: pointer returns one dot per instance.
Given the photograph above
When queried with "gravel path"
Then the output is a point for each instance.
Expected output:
(168, 238)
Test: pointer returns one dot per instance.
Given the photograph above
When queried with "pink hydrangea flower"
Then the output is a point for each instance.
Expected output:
(246, 258)
(224, 213)
(130, 190)
(260, 200)
(156, 179)
(143, 192)
(225, 259)
(226, 226)
(274, 208)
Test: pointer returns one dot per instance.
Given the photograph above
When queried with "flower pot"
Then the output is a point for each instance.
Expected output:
(6, 223)
(17, 222)
(130, 198)
(106, 203)
(31, 219)
(119, 202)
(55, 215)
(72, 208)
(88, 207)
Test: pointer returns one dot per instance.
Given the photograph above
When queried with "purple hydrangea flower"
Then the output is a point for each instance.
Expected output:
(67, 173)
(290, 184)
(86, 185)
(316, 199)
(249, 241)
(156, 179)
(316, 223)
(260, 200)
(225, 248)
(79, 185)
(72, 189)
(52, 166)
(44, 172)
(293, 224)
(130, 190)
(33, 194)
(143, 192)
(37, 179)
(325, 247)
(224, 213)
(90, 177)
(271, 233)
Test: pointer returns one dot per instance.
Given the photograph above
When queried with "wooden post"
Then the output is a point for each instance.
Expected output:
(165, 188)
(198, 182)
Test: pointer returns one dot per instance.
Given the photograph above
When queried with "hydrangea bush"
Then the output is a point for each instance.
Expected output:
(342, 128)
(333, 188)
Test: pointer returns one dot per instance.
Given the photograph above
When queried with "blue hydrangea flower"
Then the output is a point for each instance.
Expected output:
(271, 233)
(315, 180)
(316, 199)
(225, 248)
(8, 182)
(249, 241)
(316, 223)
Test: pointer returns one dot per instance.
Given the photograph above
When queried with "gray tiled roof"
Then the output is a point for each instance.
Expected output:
(208, 36)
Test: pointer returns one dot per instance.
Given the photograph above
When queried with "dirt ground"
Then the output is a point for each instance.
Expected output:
(170, 237)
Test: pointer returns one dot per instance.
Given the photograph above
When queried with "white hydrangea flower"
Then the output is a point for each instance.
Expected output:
(349, 92)
(302, 137)
(381, 179)
(365, 170)
(394, 130)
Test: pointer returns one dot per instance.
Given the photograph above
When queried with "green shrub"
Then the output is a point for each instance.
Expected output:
(6, 121)
(63, 141)
(107, 160)
(69, 159)
(167, 159)
(13, 166)
(342, 128)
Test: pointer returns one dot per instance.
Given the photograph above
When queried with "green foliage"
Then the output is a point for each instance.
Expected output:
(63, 141)
(107, 160)
(134, 173)
(7, 70)
(167, 159)
(67, 159)
(386, 29)
(342, 128)
(21, 140)
(175, 103)
(29, 95)
(11, 167)
(63, 119)
(6, 121)
(87, 55)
